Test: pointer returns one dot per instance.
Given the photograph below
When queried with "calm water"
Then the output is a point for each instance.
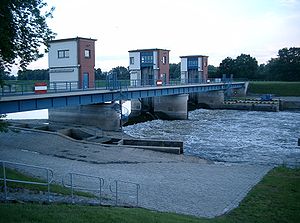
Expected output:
(231, 136)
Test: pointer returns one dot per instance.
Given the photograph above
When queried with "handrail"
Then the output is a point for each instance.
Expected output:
(49, 176)
(121, 85)
(118, 190)
(73, 185)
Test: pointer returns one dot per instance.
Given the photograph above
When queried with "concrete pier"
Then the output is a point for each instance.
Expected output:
(104, 116)
(212, 99)
(172, 107)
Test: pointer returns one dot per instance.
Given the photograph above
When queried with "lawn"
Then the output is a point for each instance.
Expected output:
(275, 199)
(276, 88)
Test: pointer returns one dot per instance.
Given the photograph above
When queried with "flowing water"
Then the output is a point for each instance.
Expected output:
(231, 136)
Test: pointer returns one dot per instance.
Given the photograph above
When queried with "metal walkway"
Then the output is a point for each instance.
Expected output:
(18, 103)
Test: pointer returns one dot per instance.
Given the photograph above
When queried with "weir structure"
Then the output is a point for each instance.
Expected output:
(76, 98)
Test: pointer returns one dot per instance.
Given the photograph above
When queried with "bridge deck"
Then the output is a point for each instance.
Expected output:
(18, 103)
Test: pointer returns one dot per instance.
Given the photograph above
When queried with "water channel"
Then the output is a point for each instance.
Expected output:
(231, 136)
(223, 135)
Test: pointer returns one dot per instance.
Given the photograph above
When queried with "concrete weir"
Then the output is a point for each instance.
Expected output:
(103, 116)
(172, 107)
(213, 99)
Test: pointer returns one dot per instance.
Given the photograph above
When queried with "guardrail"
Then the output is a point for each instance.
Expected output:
(73, 184)
(21, 88)
(5, 179)
(117, 188)
(120, 187)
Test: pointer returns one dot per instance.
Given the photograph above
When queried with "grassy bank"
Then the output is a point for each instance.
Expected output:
(276, 88)
(275, 199)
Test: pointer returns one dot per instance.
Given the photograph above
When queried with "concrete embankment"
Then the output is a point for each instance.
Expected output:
(252, 105)
(90, 135)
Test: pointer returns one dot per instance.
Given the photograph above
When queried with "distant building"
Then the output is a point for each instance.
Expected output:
(72, 62)
(146, 66)
(194, 69)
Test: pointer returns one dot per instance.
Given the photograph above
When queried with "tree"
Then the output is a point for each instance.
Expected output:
(245, 66)
(23, 30)
(213, 71)
(287, 66)
(122, 73)
(227, 66)
(42, 74)
(175, 72)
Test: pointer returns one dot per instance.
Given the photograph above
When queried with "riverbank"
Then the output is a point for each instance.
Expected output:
(169, 183)
(260, 205)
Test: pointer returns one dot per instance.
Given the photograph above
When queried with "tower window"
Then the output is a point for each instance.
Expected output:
(63, 53)
(131, 60)
(87, 53)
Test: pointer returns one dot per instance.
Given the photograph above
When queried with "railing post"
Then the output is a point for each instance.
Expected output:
(72, 189)
(4, 177)
(137, 194)
(48, 186)
(116, 193)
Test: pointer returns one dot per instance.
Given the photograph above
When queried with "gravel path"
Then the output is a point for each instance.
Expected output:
(172, 183)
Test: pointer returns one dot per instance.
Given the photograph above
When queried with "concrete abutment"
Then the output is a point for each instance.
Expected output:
(104, 116)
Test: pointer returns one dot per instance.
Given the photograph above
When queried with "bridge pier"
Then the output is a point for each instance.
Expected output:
(103, 115)
(173, 107)
(212, 99)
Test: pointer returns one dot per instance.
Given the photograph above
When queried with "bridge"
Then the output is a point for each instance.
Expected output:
(18, 101)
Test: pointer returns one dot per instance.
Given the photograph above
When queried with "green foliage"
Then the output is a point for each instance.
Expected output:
(227, 66)
(121, 72)
(276, 88)
(99, 75)
(213, 72)
(42, 74)
(274, 199)
(286, 67)
(175, 72)
(23, 30)
(244, 66)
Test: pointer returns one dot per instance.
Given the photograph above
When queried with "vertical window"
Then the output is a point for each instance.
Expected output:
(164, 59)
(63, 53)
(87, 53)
(131, 60)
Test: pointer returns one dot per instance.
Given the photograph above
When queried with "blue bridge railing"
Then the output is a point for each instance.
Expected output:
(11, 88)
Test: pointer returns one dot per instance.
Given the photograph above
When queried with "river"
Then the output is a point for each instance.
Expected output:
(231, 136)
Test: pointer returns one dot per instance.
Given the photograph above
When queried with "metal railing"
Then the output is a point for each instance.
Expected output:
(5, 179)
(21, 88)
(73, 186)
(119, 188)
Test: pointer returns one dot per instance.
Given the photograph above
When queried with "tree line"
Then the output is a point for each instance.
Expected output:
(285, 67)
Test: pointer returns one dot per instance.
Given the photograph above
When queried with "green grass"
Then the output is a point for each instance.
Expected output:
(276, 88)
(12, 174)
(275, 199)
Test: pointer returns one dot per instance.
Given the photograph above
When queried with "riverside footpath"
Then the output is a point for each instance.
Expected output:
(168, 183)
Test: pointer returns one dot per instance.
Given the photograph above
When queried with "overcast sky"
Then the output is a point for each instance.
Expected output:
(217, 28)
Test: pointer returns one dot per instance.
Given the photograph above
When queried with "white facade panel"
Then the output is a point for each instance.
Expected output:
(64, 74)
(183, 66)
(200, 68)
(137, 61)
(71, 60)
(155, 62)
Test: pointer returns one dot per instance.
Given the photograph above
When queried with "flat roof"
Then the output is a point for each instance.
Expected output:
(71, 39)
(193, 56)
(153, 49)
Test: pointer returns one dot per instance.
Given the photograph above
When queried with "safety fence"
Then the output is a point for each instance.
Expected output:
(120, 192)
